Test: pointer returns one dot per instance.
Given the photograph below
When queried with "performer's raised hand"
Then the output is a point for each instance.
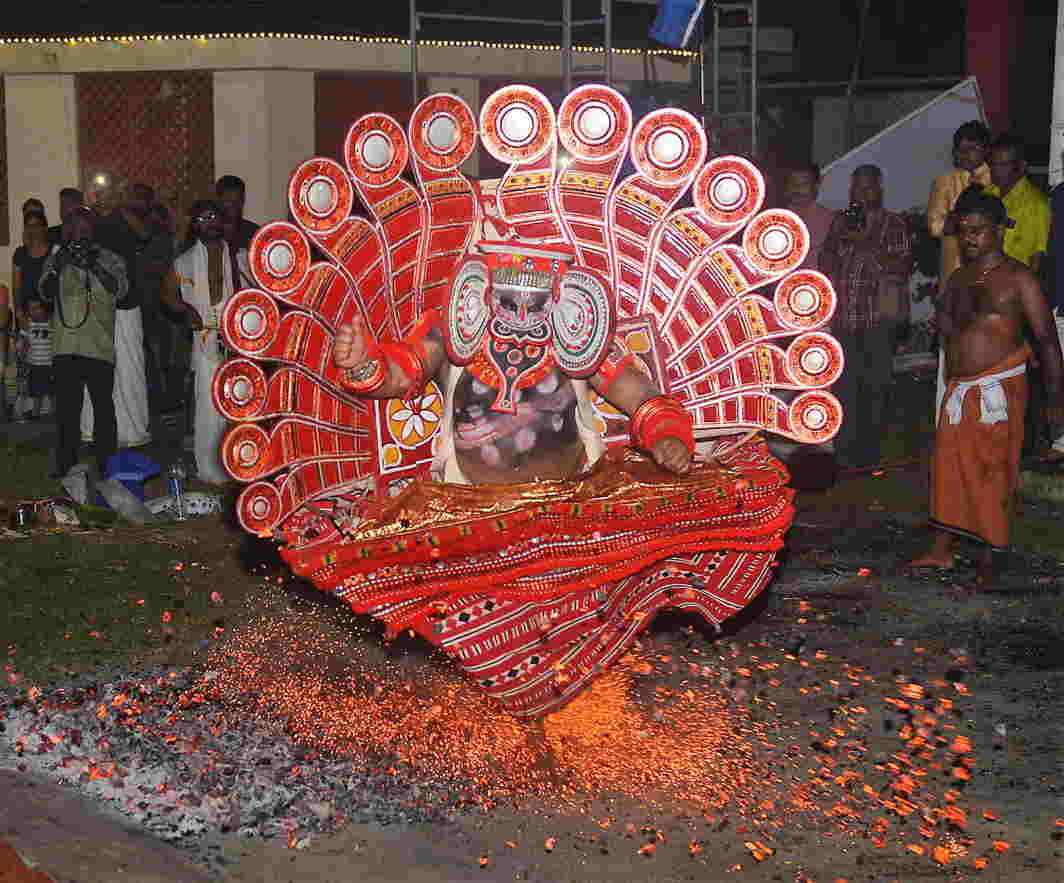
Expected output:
(672, 454)
(350, 348)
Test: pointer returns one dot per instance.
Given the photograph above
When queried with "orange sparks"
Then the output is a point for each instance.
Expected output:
(915, 848)
(1001, 846)
(648, 849)
(955, 816)
(758, 850)
(941, 855)
(961, 745)
(991, 817)
(694, 848)
(980, 863)
(912, 691)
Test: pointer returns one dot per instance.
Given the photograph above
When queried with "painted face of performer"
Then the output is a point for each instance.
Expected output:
(521, 310)
(979, 236)
(207, 224)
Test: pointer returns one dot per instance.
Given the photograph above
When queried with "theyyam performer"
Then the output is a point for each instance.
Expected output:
(521, 419)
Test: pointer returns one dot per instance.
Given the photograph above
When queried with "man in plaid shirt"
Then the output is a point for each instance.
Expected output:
(868, 256)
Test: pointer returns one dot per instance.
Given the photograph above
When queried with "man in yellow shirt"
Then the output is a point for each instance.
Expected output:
(1028, 207)
(1026, 241)
(970, 144)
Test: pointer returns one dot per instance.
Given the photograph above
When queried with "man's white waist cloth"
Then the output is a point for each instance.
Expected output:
(993, 404)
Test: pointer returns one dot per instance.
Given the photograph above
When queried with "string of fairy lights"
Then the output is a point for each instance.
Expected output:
(203, 39)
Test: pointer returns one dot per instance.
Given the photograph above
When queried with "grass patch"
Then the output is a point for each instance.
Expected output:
(27, 466)
(77, 600)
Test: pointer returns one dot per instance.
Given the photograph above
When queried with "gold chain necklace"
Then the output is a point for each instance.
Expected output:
(988, 270)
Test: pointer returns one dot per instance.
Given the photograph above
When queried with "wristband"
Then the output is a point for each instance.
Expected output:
(662, 417)
(410, 360)
(367, 378)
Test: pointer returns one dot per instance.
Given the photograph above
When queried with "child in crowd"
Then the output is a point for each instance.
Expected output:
(36, 339)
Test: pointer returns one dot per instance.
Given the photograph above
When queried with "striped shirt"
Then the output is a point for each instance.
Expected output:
(859, 277)
(39, 350)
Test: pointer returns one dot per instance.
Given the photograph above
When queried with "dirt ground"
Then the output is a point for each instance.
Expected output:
(840, 604)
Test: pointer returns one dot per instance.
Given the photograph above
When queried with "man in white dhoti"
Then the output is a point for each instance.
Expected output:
(123, 228)
(201, 282)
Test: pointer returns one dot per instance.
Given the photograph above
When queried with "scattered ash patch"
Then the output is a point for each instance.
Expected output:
(152, 746)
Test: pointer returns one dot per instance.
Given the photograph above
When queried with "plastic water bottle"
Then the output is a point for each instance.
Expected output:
(176, 478)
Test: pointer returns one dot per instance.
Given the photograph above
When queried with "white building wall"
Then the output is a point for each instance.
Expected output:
(263, 129)
(42, 149)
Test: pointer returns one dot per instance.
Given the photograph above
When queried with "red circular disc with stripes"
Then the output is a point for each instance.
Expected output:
(443, 132)
(259, 507)
(250, 321)
(320, 195)
(776, 241)
(246, 451)
(594, 122)
(279, 257)
(814, 360)
(376, 150)
(668, 146)
(517, 124)
(239, 389)
(729, 189)
(815, 417)
(805, 300)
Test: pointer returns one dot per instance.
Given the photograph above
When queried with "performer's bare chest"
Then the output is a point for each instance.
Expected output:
(540, 441)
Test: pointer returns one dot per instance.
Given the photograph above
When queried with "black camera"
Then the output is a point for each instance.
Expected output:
(82, 252)
(855, 216)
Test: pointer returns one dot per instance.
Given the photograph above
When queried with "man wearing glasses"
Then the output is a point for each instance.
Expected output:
(203, 278)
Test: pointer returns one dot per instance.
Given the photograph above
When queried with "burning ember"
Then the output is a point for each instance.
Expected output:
(296, 725)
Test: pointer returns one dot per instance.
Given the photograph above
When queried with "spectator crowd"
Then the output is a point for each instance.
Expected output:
(109, 321)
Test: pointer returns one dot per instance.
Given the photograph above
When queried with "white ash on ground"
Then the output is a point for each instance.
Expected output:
(151, 746)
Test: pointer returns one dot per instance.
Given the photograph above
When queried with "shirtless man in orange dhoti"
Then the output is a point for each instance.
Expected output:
(982, 317)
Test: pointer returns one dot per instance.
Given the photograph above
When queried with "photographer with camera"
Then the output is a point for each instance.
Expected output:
(82, 281)
(868, 256)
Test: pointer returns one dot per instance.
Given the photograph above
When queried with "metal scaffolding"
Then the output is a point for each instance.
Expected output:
(565, 24)
(732, 111)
